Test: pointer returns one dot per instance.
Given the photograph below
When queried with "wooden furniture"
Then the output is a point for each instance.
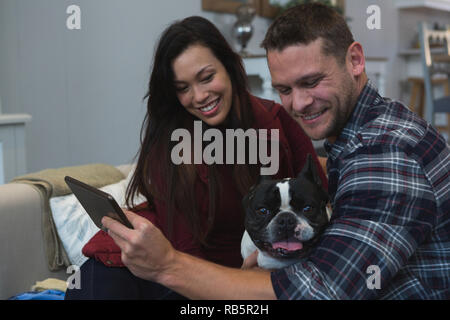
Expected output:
(435, 64)
(417, 98)
(264, 8)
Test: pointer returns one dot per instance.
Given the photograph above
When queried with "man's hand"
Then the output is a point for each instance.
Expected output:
(149, 255)
(145, 250)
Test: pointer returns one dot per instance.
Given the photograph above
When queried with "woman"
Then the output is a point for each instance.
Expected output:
(196, 76)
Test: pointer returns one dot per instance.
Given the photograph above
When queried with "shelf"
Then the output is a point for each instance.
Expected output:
(443, 5)
(18, 118)
(416, 51)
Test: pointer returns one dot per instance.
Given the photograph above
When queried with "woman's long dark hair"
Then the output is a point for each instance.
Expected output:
(156, 177)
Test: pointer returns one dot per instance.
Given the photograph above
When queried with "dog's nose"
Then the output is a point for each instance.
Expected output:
(286, 220)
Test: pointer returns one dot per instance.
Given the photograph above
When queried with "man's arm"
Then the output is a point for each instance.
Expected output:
(199, 279)
(384, 208)
(190, 276)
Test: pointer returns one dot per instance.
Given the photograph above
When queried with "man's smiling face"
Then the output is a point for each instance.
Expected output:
(316, 89)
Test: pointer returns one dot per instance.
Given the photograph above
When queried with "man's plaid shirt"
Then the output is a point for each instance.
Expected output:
(389, 183)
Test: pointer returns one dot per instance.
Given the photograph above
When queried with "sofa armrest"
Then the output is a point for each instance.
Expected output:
(22, 253)
(21, 241)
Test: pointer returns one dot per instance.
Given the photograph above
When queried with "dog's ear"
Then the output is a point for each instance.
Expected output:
(309, 171)
(249, 196)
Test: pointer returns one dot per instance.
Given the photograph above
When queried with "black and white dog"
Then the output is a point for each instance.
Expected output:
(284, 218)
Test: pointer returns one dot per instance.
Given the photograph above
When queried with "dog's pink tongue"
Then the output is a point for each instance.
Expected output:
(290, 246)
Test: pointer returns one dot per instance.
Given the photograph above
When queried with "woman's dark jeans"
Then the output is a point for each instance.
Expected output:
(99, 282)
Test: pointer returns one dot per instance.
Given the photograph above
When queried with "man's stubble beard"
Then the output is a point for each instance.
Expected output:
(343, 112)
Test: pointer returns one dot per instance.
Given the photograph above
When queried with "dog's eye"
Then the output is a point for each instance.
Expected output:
(263, 211)
(307, 209)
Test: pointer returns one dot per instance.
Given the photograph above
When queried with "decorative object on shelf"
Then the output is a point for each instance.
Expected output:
(263, 7)
(223, 6)
(283, 5)
(243, 29)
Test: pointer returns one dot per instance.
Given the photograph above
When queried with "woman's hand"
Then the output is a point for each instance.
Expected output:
(145, 250)
(251, 261)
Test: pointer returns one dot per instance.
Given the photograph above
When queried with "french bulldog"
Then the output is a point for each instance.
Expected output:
(284, 218)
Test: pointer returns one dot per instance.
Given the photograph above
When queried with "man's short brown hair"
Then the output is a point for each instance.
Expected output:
(306, 23)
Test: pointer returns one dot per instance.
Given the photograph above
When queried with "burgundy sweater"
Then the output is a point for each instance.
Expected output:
(225, 236)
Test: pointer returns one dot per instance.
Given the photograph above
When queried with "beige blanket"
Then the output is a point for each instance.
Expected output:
(50, 284)
(50, 183)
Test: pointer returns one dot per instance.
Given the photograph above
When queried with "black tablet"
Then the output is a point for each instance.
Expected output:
(97, 203)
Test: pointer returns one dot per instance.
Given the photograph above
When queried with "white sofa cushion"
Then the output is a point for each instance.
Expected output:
(75, 227)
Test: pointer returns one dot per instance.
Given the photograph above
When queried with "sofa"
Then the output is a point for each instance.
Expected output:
(22, 251)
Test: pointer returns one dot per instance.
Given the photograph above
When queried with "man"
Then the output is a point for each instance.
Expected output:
(389, 184)
(388, 170)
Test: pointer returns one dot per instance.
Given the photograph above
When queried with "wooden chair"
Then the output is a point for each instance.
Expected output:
(417, 99)
(435, 64)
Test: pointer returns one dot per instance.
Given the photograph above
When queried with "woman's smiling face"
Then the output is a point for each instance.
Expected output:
(202, 84)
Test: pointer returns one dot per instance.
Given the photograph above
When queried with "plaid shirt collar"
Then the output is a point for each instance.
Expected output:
(368, 98)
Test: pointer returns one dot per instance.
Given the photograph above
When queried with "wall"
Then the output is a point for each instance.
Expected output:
(398, 30)
(377, 43)
(84, 88)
